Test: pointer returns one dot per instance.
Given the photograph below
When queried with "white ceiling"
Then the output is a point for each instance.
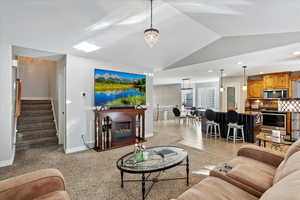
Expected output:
(193, 33)
(243, 17)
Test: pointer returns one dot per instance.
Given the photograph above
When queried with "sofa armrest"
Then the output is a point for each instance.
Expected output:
(32, 185)
(261, 154)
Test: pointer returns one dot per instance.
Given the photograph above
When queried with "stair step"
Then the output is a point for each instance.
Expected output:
(35, 126)
(30, 102)
(36, 143)
(35, 113)
(29, 135)
(29, 107)
(29, 120)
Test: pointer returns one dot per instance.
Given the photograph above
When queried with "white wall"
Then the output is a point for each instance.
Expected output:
(6, 105)
(38, 78)
(166, 95)
(59, 99)
(79, 110)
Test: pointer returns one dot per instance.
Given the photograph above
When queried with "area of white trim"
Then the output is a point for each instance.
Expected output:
(54, 116)
(148, 135)
(76, 149)
(36, 98)
(4, 163)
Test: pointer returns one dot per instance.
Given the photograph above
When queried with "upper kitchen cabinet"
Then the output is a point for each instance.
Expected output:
(255, 88)
(276, 81)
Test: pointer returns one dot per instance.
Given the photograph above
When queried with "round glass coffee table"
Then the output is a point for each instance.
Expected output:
(153, 159)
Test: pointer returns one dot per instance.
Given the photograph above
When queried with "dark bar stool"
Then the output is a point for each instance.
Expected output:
(178, 116)
(232, 118)
(192, 117)
(212, 127)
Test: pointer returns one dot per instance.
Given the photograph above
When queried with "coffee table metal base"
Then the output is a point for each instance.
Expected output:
(156, 179)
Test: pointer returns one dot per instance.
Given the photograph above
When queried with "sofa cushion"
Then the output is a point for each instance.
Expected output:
(57, 195)
(287, 167)
(278, 172)
(213, 188)
(265, 155)
(32, 185)
(238, 160)
(286, 189)
(295, 147)
(259, 180)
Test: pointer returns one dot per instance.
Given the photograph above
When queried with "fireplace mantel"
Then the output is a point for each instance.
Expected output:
(111, 124)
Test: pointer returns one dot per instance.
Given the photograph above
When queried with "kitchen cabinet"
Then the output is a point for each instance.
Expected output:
(255, 88)
(276, 81)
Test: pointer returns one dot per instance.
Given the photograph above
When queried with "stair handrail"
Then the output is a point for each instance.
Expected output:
(19, 88)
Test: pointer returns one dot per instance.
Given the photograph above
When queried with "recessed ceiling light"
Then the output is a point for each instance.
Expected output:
(240, 63)
(210, 71)
(297, 53)
(86, 47)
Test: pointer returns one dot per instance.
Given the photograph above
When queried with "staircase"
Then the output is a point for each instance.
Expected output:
(36, 127)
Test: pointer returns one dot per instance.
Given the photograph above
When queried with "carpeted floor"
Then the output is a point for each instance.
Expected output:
(92, 175)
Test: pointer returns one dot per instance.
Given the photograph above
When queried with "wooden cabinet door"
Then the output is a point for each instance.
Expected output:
(269, 82)
(255, 88)
(276, 81)
(283, 81)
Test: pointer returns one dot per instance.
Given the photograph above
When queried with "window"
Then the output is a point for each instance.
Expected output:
(187, 98)
(208, 98)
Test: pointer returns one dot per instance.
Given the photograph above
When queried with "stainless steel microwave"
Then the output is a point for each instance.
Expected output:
(276, 94)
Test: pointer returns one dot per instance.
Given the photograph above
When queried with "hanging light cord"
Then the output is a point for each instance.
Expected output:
(222, 78)
(151, 13)
(244, 75)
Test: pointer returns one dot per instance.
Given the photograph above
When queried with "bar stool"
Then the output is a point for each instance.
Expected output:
(212, 127)
(232, 118)
(192, 116)
(178, 115)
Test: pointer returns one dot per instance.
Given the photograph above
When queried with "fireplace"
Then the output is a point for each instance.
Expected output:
(119, 127)
(122, 132)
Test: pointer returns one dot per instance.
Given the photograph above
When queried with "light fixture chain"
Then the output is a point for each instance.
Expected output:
(151, 13)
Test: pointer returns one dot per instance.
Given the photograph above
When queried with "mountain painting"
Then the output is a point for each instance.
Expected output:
(119, 88)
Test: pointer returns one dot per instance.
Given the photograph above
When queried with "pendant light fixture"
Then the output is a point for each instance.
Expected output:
(221, 80)
(151, 34)
(245, 81)
(186, 84)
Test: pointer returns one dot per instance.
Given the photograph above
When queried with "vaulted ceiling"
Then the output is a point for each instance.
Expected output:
(197, 36)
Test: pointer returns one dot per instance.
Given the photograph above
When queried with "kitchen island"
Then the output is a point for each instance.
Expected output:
(251, 124)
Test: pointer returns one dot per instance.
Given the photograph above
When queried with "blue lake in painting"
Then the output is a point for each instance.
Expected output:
(104, 97)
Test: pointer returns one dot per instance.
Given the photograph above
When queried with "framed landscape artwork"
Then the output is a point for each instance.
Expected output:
(114, 88)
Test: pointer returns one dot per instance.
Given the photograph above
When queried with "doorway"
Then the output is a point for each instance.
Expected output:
(232, 96)
(41, 122)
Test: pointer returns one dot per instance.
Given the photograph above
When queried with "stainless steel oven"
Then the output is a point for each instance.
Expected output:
(274, 121)
(276, 94)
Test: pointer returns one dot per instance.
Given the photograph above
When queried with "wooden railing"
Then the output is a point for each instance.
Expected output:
(18, 97)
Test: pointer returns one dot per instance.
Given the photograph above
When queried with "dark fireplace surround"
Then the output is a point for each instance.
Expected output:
(119, 127)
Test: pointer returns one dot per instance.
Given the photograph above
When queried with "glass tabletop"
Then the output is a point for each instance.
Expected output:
(152, 159)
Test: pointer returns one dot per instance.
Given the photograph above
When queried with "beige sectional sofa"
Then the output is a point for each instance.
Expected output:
(46, 184)
(255, 173)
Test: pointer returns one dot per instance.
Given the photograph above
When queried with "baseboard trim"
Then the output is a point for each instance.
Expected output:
(76, 149)
(36, 98)
(5, 163)
(148, 135)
